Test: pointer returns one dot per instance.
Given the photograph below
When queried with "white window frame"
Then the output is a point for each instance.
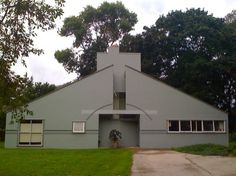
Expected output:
(74, 130)
(30, 142)
(223, 131)
(213, 129)
(184, 131)
(191, 130)
(168, 126)
(197, 126)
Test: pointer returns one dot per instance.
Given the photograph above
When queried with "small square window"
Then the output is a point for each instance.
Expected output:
(78, 127)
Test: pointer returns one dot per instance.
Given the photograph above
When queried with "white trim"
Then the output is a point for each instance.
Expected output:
(179, 126)
(224, 126)
(202, 125)
(189, 125)
(76, 130)
(30, 143)
(191, 130)
(108, 111)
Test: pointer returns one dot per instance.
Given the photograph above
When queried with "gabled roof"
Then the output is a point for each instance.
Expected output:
(71, 83)
(162, 82)
(145, 74)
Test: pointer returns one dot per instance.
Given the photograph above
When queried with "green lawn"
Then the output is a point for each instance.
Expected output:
(1, 145)
(210, 149)
(52, 162)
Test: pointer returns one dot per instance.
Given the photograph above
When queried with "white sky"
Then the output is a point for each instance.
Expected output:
(45, 68)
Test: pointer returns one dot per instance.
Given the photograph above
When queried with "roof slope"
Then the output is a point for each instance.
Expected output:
(167, 86)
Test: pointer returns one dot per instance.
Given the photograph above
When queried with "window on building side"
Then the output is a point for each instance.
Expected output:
(219, 125)
(78, 127)
(196, 125)
(173, 125)
(31, 132)
(207, 125)
(185, 125)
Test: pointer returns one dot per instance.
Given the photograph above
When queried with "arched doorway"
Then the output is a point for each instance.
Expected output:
(127, 124)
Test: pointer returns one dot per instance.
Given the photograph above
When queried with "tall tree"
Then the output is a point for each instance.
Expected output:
(230, 18)
(192, 51)
(19, 20)
(29, 92)
(94, 30)
(35, 90)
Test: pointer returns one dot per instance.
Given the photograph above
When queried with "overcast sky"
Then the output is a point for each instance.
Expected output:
(45, 68)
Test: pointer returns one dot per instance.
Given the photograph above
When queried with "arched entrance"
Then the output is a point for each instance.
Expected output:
(127, 124)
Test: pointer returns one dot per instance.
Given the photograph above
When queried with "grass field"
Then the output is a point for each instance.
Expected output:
(89, 162)
(52, 162)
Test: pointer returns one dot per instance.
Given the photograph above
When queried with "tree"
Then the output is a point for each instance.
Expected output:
(19, 21)
(35, 90)
(2, 126)
(230, 18)
(192, 51)
(30, 92)
(94, 30)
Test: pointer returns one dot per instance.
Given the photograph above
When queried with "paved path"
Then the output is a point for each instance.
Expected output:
(168, 163)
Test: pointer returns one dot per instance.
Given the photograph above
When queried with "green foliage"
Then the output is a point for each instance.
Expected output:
(67, 58)
(37, 89)
(230, 18)
(2, 120)
(115, 135)
(2, 126)
(207, 149)
(19, 20)
(94, 30)
(232, 137)
(1, 145)
(50, 162)
(192, 51)
(210, 149)
(11, 95)
(232, 148)
(29, 92)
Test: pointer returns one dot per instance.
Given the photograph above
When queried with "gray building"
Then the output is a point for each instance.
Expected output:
(148, 113)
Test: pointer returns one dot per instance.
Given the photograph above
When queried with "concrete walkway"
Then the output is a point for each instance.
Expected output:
(168, 163)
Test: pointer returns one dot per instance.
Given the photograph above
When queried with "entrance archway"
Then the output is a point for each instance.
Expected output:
(127, 124)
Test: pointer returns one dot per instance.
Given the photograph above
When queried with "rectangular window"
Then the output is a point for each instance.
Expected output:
(119, 100)
(185, 125)
(78, 127)
(207, 125)
(219, 125)
(173, 125)
(196, 125)
(31, 132)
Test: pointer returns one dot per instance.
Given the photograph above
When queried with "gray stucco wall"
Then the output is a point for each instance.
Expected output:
(59, 109)
(129, 131)
(119, 60)
(154, 101)
(161, 103)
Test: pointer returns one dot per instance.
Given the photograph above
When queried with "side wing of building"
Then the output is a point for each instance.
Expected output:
(170, 117)
(64, 118)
